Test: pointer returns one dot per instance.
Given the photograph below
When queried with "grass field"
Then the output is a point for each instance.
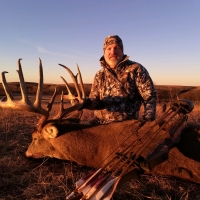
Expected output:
(23, 178)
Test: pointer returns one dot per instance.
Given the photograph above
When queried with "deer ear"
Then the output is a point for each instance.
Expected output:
(50, 131)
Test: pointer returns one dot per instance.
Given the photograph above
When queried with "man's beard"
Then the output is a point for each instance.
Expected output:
(113, 62)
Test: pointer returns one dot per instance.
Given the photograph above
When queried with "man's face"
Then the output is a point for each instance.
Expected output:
(113, 55)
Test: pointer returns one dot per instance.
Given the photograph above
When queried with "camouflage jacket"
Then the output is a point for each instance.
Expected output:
(121, 91)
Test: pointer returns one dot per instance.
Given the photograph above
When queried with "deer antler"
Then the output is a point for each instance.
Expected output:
(25, 103)
(70, 96)
(76, 101)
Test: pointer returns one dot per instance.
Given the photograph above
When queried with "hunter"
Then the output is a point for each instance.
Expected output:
(120, 87)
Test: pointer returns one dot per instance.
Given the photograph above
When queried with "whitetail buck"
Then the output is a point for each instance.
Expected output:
(96, 145)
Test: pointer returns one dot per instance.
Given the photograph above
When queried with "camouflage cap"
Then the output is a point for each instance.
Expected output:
(112, 39)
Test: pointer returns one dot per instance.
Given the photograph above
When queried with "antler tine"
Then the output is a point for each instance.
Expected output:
(22, 84)
(6, 88)
(70, 95)
(38, 98)
(74, 78)
(49, 106)
(63, 111)
(81, 82)
(61, 107)
(45, 116)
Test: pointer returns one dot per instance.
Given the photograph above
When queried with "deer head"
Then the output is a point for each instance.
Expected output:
(46, 128)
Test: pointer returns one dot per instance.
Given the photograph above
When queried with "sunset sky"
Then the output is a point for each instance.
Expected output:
(162, 35)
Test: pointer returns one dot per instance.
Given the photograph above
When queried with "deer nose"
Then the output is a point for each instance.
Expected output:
(29, 154)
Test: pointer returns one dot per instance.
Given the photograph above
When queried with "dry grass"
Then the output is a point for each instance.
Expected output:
(23, 178)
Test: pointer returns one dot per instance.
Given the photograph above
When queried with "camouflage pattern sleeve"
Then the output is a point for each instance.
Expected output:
(94, 95)
(147, 91)
(95, 87)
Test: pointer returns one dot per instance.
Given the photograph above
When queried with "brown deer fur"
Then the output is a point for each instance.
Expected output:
(90, 146)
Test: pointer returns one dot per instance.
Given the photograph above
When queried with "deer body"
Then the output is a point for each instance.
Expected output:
(95, 146)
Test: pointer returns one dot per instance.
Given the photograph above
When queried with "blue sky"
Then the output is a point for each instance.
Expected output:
(162, 35)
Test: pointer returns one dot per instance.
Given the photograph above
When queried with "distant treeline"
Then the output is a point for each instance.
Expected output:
(164, 92)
